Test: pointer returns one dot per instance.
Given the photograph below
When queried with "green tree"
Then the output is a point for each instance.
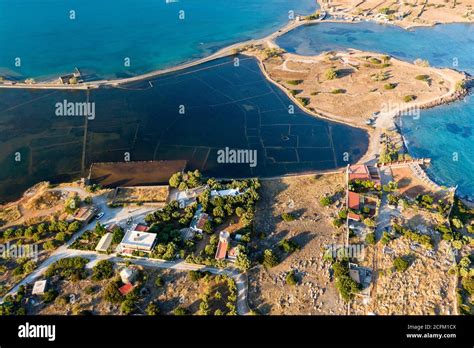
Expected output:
(401, 264)
(325, 201)
(103, 270)
(152, 309)
(269, 258)
(291, 278)
(370, 238)
(331, 74)
(112, 293)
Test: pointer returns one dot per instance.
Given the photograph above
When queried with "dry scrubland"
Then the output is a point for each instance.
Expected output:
(312, 229)
(405, 13)
(351, 86)
(425, 288)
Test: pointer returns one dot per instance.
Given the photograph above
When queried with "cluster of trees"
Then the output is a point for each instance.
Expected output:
(213, 298)
(186, 181)
(103, 270)
(242, 261)
(392, 186)
(389, 153)
(13, 305)
(222, 207)
(165, 251)
(24, 266)
(340, 219)
(422, 239)
(358, 185)
(61, 230)
(127, 303)
(72, 268)
(466, 271)
(455, 237)
(346, 286)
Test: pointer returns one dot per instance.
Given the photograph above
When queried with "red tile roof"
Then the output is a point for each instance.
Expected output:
(353, 216)
(141, 228)
(126, 289)
(354, 200)
(202, 220)
(221, 250)
(359, 171)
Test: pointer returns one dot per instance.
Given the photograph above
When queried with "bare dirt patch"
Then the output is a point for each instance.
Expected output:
(406, 13)
(312, 229)
(351, 86)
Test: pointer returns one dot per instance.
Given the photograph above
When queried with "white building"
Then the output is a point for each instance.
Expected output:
(137, 241)
(128, 275)
(39, 287)
(104, 243)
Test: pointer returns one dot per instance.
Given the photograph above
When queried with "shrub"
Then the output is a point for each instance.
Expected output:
(468, 284)
(288, 246)
(331, 74)
(180, 311)
(294, 82)
(422, 77)
(325, 201)
(409, 98)
(389, 86)
(370, 238)
(103, 270)
(152, 309)
(50, 296)
(269, 258)
(159, 282)
(112, 293)
(401, 264)
(291, 278)
(288, 217)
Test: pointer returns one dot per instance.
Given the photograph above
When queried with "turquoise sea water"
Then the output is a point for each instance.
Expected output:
(446, 133)
(149, 32)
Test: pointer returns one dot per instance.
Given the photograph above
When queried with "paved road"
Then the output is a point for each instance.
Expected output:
(111, 216)
(119, 216)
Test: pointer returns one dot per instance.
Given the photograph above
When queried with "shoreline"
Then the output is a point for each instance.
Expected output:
(223, 52)
(373, 133)
(345, 11)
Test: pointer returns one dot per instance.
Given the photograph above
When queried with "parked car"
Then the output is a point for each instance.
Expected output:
(100, 215)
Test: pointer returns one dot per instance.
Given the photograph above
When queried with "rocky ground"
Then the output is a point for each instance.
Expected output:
(312, 230)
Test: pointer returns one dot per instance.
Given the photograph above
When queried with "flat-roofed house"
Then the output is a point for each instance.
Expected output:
(137, 241)
(84, 214)
(363, 172)
(104, 243)
(39, 287)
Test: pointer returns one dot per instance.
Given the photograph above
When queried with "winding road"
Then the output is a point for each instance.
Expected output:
(119, 216)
